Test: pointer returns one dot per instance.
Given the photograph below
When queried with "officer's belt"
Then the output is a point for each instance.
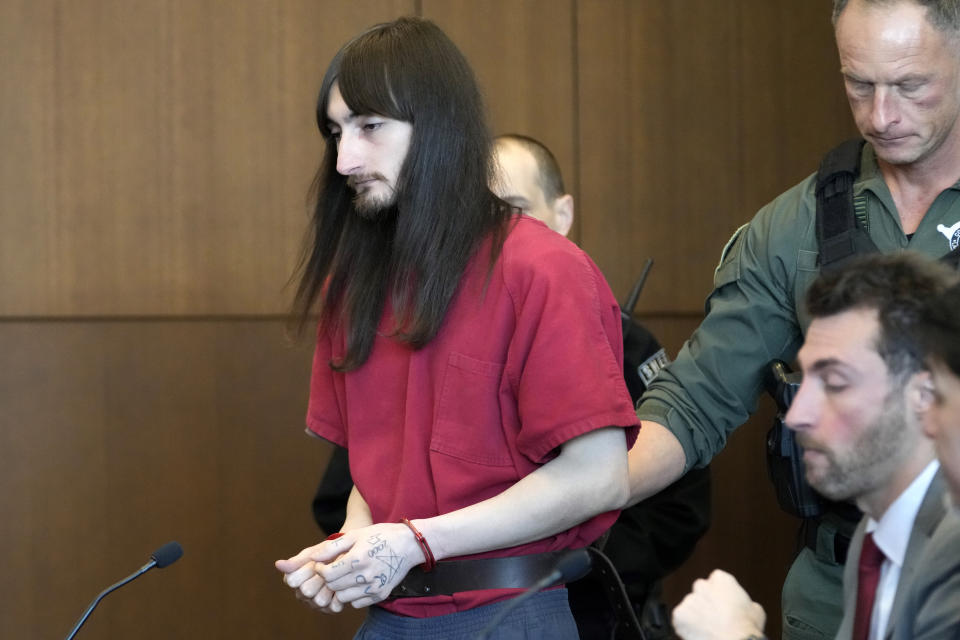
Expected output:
(454, 576)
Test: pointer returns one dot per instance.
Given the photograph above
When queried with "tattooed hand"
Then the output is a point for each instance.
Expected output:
(361, 568)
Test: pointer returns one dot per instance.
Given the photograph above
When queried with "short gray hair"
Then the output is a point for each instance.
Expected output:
(944, 15)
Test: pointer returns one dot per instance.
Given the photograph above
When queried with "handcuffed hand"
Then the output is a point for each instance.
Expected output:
(360, 568)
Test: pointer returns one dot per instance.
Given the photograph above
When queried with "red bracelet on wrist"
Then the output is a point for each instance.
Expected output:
(428, 560)
(334, 536)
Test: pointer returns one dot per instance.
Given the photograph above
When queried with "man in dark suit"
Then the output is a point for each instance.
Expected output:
(930, 606)
(860, 416)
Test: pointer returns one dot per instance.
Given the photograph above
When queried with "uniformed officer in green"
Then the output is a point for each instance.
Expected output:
(900, 63)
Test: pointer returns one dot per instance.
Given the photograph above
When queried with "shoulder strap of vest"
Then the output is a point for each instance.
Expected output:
(838, 235)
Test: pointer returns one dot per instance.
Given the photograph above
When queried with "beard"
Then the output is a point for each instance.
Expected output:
(869, 461)
(372, 201)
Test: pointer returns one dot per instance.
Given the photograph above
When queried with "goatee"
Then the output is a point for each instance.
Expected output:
(368, 204)
(373, 210)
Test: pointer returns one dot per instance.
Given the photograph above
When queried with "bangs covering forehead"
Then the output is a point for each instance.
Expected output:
(380, 71)
(406, 70)
(365, 79)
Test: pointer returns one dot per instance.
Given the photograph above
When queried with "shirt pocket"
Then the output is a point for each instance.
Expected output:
(468, 423)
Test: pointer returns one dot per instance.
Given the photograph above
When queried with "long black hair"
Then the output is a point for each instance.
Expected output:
(415, 255)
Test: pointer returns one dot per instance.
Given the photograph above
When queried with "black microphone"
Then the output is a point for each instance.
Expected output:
(162, 557)
(571, 566)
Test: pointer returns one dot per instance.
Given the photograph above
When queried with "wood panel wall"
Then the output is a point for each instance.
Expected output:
(152, 201)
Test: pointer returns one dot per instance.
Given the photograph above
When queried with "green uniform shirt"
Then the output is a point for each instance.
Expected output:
(756, 313)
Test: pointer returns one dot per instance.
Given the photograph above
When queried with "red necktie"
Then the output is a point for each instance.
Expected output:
(868, 577)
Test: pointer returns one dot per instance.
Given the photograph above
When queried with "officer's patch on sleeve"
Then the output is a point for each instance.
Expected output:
(730, 244)
(728, 269)
(649, 368)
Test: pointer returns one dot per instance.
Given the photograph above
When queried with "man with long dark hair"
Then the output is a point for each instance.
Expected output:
(468, 357)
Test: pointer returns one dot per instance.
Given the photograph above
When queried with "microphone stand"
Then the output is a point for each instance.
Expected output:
(162, 557)
(572, 566)
(615, 591)
(96, 601)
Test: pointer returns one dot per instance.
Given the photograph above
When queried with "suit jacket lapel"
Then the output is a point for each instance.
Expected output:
(928, 518)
